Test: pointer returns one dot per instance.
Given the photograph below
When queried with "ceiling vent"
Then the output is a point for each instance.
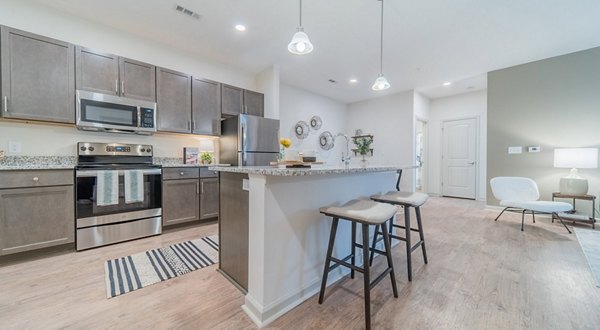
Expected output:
(187, 12)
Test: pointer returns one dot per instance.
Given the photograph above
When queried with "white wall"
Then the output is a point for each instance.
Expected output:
(297, 104)
(60, 140)
(421, 112)
(456, 107)
(390, 119)
(268, 82)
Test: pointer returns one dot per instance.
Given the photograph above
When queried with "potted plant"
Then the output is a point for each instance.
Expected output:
(206, 157)
(363, 145)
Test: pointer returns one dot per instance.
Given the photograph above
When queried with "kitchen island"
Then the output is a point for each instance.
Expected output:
(273, 238)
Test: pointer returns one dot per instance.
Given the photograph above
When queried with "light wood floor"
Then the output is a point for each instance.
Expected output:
(481, 275)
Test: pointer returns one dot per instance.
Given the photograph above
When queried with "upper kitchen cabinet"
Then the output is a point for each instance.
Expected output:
(206, 107)
(232, 100)
(235, 101)
(174, 101)
(38, 78)
(254, 103)
(111, 74)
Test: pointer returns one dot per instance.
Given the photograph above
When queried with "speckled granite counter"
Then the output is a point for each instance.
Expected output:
(178, 162)
(37, 163)
(316, 170)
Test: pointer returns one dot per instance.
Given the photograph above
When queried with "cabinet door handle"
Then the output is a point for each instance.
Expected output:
(5, 103)
(202, 187)
(193, 125)
(181, 173)
(197, 188)
(123, 87)
(117, 86)
(246, 109)
(189, 124)
(36, 179)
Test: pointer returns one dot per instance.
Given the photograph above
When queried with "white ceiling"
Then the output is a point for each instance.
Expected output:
(426, 42)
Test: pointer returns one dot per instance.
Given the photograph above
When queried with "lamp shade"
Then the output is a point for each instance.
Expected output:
(576, 158)
(300, 43)
(381, 83)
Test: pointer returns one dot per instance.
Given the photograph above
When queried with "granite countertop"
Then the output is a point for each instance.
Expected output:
(316, 170)
(9, 163)
(12, 163)
(178, 162)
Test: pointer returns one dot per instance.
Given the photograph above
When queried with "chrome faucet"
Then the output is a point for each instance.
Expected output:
(345, 158)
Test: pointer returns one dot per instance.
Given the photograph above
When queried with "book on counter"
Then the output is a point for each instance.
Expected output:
(190, 155)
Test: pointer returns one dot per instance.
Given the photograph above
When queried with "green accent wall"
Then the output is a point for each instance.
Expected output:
(552, 103)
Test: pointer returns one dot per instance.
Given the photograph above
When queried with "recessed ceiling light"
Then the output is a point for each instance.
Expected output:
(353, 81)
(240, 27)
(447, 83)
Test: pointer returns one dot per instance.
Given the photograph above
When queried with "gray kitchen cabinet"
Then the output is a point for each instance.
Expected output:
(37, 77)
(138, 79)
(232, 100)
(235, 101)
(209, 198)
(174, 101)
(180, 195)
(206, 107)
(254, 103)
(36, 210)
(111, 74)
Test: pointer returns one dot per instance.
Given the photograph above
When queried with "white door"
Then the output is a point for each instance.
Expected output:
(459, 158)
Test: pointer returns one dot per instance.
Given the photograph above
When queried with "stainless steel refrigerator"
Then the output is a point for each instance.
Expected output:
(249, 141)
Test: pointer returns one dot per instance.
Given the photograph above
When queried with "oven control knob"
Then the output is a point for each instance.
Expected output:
(148, 150)
(91, 148)
(142, 150)
(83, 148)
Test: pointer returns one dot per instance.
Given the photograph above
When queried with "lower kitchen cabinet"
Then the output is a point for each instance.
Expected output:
(180, 201)
(209, 198)
(36, 210)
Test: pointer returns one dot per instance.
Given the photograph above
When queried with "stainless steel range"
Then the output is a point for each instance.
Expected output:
(118, 193)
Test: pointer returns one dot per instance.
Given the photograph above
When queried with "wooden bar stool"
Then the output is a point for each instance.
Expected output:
(406, 200)
(367, 213)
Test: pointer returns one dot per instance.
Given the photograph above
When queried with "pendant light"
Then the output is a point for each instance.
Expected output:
(300, 43)
(381, 82)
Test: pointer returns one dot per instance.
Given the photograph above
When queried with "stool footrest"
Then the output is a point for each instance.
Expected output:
(379, 278)
(340, 262)
(416, 246)
(400, 226)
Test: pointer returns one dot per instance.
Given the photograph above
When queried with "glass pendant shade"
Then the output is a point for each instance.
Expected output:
(300, 43)
(381, 83)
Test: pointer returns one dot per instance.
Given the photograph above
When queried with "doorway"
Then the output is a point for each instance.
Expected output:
(421, 155)
(459, 158)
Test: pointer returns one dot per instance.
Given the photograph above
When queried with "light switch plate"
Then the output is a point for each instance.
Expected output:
(245, 185)
(533, 149)
(515, 150)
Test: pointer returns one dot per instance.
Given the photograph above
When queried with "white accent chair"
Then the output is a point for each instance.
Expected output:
(519, 194)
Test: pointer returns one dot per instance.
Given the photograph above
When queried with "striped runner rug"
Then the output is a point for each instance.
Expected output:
(136, 271)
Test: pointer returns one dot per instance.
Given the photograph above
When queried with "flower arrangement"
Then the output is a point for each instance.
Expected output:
(206, 157)
(363, 144)
(284, 144)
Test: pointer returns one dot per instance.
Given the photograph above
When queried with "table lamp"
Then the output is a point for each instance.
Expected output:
(575, 158)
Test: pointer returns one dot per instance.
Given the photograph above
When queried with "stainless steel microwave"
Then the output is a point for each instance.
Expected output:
(109, 113)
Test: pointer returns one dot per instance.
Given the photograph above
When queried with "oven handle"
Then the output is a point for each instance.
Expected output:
(87, 174)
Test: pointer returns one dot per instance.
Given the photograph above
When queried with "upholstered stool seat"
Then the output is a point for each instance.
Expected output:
(406, 200)
(367, 213)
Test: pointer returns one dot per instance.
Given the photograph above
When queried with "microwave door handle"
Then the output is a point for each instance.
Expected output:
(139, 117)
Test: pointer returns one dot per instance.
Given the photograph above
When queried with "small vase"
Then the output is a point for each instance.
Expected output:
(364, 160)
(281, 155)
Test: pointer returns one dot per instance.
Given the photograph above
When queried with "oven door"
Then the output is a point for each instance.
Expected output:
(89, 213)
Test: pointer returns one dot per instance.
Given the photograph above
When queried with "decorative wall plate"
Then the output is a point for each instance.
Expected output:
(301, 129)
(326, 140)
(316, 122)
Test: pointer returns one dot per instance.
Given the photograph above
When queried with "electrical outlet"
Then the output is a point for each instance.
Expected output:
(14, 147)
(515, 150)
(533, 149)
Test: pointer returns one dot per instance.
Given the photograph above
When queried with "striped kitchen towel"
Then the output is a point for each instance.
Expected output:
(134, 186)
(136, 271)
(107, 188)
